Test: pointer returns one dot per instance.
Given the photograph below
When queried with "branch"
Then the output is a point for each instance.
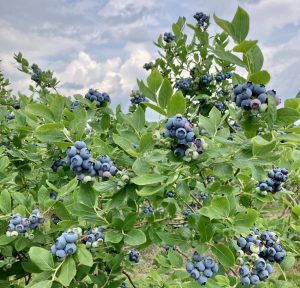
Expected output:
(129, 279)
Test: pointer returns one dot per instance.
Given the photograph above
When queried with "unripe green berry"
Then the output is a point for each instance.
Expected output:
(14, 234)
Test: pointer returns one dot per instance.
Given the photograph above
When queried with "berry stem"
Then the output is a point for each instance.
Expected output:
(129, 279)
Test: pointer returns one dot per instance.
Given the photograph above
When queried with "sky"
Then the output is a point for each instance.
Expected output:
(103, 44)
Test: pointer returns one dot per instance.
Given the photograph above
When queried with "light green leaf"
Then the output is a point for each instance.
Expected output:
(5, 202)
(84, 255)
(240, 25)
(224, 255)
(135, 237)
(261, 77)
(155, 80)
(42, 258)
(244, 46)
(253, 59)
(293, 103)
(165, 93)
(40, 110)
(42, 284)
(177, 104)
(218, 208)
(228, 56)
(146, 91)
(149, 190)
(261, 147)
(287, 116)
(148, 179)
(138, 119)
(67, 271)
(113, 237)
(155, 108)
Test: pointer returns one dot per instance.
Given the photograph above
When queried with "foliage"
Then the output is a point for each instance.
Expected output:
(156, 199)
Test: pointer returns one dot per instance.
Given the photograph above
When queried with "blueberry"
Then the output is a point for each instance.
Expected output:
(190, 137)
(60, 242)
(279, 256)
(215, 269)
(11, 227)
(53, 195)
(254, 279)
(246, 104)
(179, 152)
(61, 254)
(241, 242)
(53, 249)
(85, 153)
(244, 271)
(189, 267)
(269, 268)
(76, 161)
(237, 89)
(271, 251)
(202, 280)
(208, 273)
(181, 133)
(200, 266)
(263, 275)
(79, 144)
(104, 159)
(70, 248)
(260, 264)
(71, 237)
(209, 262)
(33, 219)
(16, 219)
(19, 228)
(258, 89)
(238, 100)
(195, 274)
(245, 281)
(263, 98)
(255, 104)
(197, 257)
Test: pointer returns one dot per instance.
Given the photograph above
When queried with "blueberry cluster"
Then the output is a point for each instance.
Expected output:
(17, 224)
(202, 196)
(187, 212)
(273, 183)
(184, 84)
(65, 245)
(205, 79)
(249, 96)
(147, 209)
(74, 104)
(202, 268)
(168, 247)
(94, 237)
(202, 19)
(134, 256)
(37, 72)
(148, 66)
(80, 161)
(137, 98)
(179, 129)
(100, 98)
(58, 164)
(220, 106)
(169, 37)
(221, 77)
(256, 250)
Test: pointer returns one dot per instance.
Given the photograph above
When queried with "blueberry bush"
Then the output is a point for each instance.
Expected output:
(207, 195)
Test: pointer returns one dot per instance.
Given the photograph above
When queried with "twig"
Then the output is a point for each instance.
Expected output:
(197, 200)
(181, 253)
(129, 278)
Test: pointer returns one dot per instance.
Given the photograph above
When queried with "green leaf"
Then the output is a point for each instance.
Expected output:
(4, 240)
(154, 80)
(171, 239)
(141, 166)
(135, 237)
(261, 77)
(244, 220)
(287, 116)
(244, 46)
(146, 143)
(113, 237)
(5, 202)
(224, 255)
(293, 103)
(87, 195)
(271, 112)
(155, 108)
(237, 79)
(177, 104)
(240, 25)
(261, 147)
(165, 93)
(67, 271)
(42, 284)
(228, 56)
(175, 259)
(149, 190)
(84, 255)
(148, 179)
(218, 208)
(206, 230)
(224, 24)
(146, 91)
(4, 162)
(253, 59)
(40, 110)
(42, 258)
(52, 132)
(138, 119)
